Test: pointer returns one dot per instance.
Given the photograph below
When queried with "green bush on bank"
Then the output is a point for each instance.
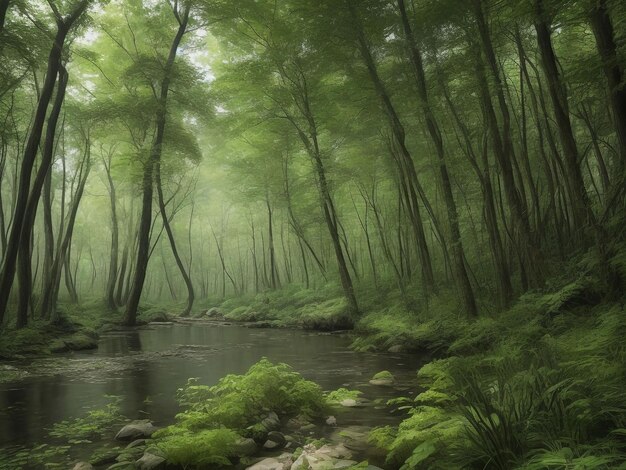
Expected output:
(235, 407)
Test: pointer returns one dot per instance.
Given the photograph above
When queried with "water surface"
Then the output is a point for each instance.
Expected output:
(145, 367)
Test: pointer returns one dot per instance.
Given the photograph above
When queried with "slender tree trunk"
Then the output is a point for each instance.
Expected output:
(7, 273)
(4, 7)
(274, 279)
(24, 266)
(48, 307)
(614, 71)
(404, 162)
(462, 279)
(581, 211)
(502, 146)
(109, 295)
(170, 235)
(143, 249)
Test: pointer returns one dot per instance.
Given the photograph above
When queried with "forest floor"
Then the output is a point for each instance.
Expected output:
(538, 384)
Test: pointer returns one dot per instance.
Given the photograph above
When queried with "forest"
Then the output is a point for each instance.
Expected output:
(312, 234)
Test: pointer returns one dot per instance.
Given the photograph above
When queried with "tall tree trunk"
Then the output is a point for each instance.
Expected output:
(274, 279)
(7, 273)
(581, 210)
(109, 295)
(502, 143)
(24, 266)
(614, 71)
(143, 249)
(48, 306)
(406, 168)
(462, 279)
(4, 7)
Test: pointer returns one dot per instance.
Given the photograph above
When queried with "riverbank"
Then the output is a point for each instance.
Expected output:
(144, 367)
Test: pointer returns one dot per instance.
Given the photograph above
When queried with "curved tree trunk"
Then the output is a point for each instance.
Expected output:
(170, 236)
(143, 249)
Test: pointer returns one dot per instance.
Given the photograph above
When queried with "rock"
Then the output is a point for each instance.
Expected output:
(344, 464)
(310, 460)
(136, 430)
(214, 313)
(331, 421)
(298, 423)
(326, 457)
(354, 438)
(83, 466)
(384, 378)
(136, 443)
(282, 462)
(338, 451)
(271, 423)
(245, 447)
(349, 403)
(271, 445)
(276, 437)
(396, 348)
(382, 382)
(150, 462)
(122, 466)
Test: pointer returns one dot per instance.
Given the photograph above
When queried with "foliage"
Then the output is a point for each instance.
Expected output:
(241, 401)
(94, 424)
(545, 396)
(337, 396)
(198, 449)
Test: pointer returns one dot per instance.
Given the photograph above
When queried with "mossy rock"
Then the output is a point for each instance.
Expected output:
(384, 378)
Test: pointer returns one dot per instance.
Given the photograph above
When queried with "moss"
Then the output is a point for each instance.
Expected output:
(337, 396)
(383, 375)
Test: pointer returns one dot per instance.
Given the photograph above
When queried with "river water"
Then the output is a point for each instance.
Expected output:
(145, 367)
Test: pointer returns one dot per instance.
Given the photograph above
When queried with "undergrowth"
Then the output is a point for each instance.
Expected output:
(538, 386)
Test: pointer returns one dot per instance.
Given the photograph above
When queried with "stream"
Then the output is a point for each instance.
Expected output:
(146, 366)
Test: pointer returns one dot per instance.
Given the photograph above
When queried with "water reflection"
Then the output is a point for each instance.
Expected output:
(159, 360)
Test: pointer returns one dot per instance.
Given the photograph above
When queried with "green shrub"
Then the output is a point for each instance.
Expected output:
(239, 401)
(204, 449)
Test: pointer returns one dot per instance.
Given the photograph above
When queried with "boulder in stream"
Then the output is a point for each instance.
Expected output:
(245, 447)
(282, 462)
(138, 429)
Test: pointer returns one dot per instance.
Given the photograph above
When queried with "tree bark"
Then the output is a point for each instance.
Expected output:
(143, 249)
(24, 266)
(462, 279)
(109, 295)
(170, 236)
(48, 306)
(7, 273)
(502, 146)
(582, 215)
(614, 71)
(406, 168)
